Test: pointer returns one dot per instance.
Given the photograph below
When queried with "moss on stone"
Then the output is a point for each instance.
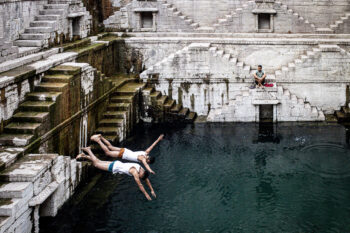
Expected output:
(186, 86)
(5, 201)
(88, 48)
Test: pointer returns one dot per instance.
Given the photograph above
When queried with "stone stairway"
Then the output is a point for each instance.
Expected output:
(44, 24)
(285, 71)
(194, 25)
(47, 27)
(158, 66)
(242, 108)
(343, 115)
(300, 18)
(36, 113)
(161, 108)
(121, 112)
(297, 109)
(338, 26)
(239, 67)
(229, 17)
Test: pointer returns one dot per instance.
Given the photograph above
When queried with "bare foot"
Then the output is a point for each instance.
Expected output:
(81, 155)
(161, 137)
(96, 137)
(86, 149)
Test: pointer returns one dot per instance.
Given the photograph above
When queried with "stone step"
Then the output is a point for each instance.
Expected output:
(39, 106)
(29, 43)
(148, 90)
(43, 96)
(109, 122)
(9, 206)
(177, 108)
(22, 128)
(46, 23)
(111, 138)
(115, 131)
(36, 30)
(33, 36)
(191, 117)
(122, 99)
(51, 87)
(16, 140)
(34, 117)
(118, 106)
(55, 6)
(130, 88)
(28, 168)
(15, 189)
(169, 104)
(115, 114)
(184, 112)
(52, 12)
(162, 100)
(324, 31)
(155, 95)
(47, 17)
(341, 116)
(62, 69)
(57, 78)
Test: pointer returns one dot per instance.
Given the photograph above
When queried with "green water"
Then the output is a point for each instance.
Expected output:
(226, 178)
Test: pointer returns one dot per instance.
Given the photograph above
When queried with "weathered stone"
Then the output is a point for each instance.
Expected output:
(29, 168)
(16, 190)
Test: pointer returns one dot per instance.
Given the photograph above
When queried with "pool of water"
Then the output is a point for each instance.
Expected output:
(226, 178)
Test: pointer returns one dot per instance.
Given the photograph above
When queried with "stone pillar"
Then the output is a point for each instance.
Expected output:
(257, 113)
(1, 24)
(274, 113)
(36, 218)
(154, 14)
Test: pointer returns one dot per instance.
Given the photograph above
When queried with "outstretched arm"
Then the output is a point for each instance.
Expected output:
(144, 162)
(148, 182)
(155, 143)
(138, 182)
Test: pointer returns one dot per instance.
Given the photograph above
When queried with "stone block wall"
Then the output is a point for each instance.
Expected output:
(204, 76)
(36, 186)
(319, 12)
(232, 16)
(17, 15)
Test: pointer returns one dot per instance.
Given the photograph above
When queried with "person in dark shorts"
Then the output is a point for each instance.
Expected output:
(259, 77)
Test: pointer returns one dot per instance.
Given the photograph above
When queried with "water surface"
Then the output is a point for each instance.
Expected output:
(226, 178)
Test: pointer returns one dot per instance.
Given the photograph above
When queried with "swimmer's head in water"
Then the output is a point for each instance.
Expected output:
(151, 159)
(143, 174)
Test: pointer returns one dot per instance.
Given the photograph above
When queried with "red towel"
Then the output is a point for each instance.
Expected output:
(268, 85)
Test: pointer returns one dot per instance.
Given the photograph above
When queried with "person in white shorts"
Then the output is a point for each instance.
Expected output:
(126, 154)
(130, 169)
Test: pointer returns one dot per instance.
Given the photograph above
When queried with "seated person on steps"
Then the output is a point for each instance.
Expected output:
(259, 77)
(126, 154)
(130, 169)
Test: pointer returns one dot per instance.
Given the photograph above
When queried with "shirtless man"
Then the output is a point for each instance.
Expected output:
(126, 154)
(130, 169)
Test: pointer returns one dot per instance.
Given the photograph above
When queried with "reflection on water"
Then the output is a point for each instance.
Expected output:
(226, 178)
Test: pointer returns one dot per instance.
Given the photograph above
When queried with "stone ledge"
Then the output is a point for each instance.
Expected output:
(39, 199)
(145, 10)
(16, 190)
(28, 168)
(265, 102)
